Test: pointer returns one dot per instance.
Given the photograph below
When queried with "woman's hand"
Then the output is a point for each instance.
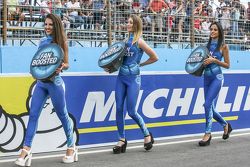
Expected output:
(63, 66)
(107, 70)
(209, 60)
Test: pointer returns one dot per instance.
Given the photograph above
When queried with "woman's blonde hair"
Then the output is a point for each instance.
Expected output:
(137, 27)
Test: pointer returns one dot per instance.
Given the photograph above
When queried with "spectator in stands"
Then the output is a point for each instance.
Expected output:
(197, 23)
(235, 19)
(210, 12)
(172, 6)
(28, 8)
(66, 19)
(147, 21)
(46, 8)
(188, 9)
(122, 10)
(74, 8)
(128, 83)
(58, 10)
(87, 13)
(14, 12)
(243, 17)
(198, 7)
(213, 80)
(222, 3)
(217, 14)
(98, 13)
(179, 18)
(247, 26)
(1, 14)
(158, 8)
(136, 7)
(64, 4)
(144, 4)
(205, 26)
(54, 88)
(23, 2)
(168, 18)
(225, 19)
(205, 6)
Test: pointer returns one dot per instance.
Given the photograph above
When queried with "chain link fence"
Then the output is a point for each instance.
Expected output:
(97, 23)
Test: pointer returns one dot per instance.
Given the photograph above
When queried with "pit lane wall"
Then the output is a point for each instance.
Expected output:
(170, 101)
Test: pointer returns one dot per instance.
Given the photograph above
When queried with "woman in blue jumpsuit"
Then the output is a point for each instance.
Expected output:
(213, 80)
(129, 81)
(53, 87)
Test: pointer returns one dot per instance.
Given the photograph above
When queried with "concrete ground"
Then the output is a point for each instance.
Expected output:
(178, 152)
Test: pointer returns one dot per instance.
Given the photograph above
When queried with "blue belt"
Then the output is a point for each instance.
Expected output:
(132, 69)
(213, 70)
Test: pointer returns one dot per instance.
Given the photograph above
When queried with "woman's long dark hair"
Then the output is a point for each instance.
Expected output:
(58, 34)
(220, 38)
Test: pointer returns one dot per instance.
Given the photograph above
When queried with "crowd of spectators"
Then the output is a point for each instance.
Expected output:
(159, 16)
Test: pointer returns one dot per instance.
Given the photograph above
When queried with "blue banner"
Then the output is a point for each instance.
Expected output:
(170, 104)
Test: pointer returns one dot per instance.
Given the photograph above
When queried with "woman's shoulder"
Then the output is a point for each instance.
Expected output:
(224, 47)
(140, 40)
(141, 43)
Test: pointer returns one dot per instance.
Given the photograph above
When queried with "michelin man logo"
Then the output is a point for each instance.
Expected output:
(50, 135)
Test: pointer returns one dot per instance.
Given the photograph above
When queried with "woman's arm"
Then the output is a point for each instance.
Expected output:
(149, 51)
(66, 57)
(225, 54)
(65, 63)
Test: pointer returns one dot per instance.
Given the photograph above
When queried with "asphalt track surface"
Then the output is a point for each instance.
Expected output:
(176, 152)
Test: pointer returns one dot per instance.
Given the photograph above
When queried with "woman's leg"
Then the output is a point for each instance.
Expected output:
(211, 90)
(218, 117)
(37, 102)
(120, 93)
(39, 97)
(132, 95)
(57, 94)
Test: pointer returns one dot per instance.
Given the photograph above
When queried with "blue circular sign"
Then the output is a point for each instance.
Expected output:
(112, 57)
(194, 63)
(45, 61)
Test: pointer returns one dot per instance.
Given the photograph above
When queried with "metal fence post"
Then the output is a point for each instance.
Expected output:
(4, 22)
(192, 25)
(109, 26)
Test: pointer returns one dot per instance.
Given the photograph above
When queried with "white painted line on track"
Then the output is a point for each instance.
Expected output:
(130, 148)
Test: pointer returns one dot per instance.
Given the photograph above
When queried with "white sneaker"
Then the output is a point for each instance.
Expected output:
(73, 157)
(26, 161)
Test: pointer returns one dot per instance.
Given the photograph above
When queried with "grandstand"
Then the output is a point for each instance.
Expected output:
(180, 24)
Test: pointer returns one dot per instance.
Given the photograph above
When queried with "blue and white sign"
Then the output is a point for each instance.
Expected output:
(171, 104)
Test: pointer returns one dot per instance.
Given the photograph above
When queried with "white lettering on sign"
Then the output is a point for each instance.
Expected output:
(183, 99)
(110, 52)
(46, 58)
(196, 58)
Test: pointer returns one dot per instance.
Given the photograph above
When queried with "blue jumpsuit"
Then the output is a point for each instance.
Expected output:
(56, 90)
(213, 80)
(128, 86)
